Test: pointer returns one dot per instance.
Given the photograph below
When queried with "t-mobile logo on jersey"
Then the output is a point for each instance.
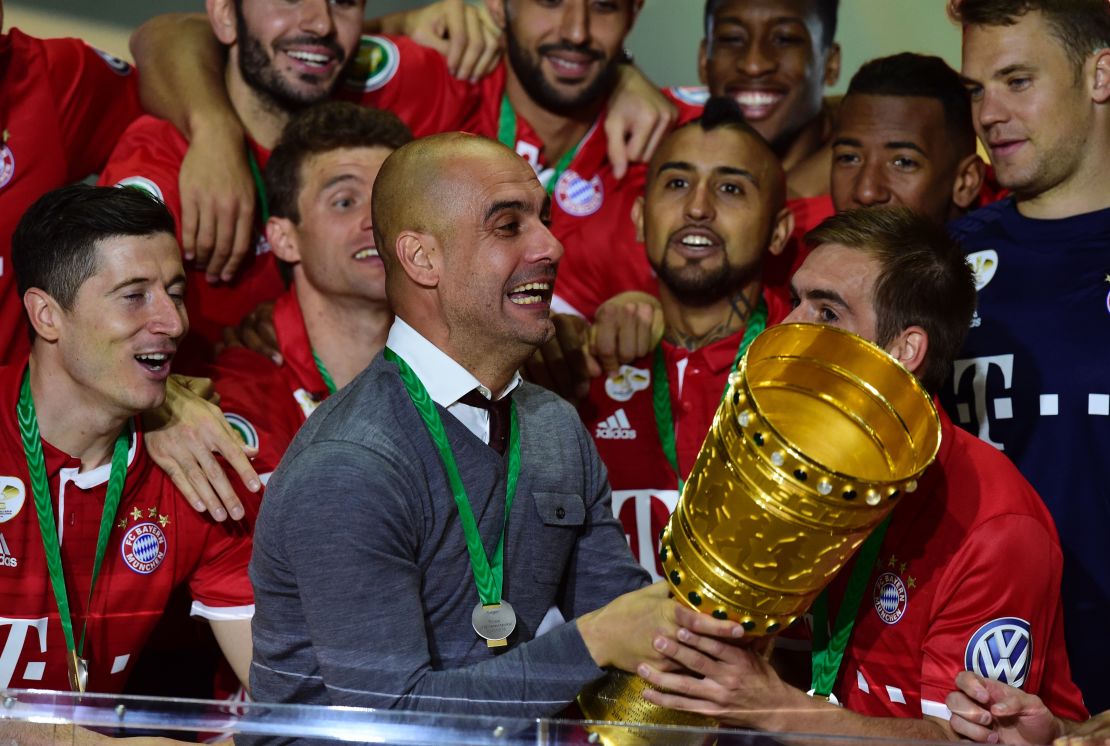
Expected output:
(1003, 407)
(13, 648)
(644, 515)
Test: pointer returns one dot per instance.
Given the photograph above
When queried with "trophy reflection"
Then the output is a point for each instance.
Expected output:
(819, 433)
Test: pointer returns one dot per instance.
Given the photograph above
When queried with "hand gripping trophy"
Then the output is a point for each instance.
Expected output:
(818, 434)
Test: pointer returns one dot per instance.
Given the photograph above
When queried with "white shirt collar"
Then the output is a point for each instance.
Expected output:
(445, 379)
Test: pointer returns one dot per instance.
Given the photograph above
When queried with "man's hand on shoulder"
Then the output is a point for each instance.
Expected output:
(182, 437)
(464, 34)
(256, 332)
(638, 119)
(217, 200)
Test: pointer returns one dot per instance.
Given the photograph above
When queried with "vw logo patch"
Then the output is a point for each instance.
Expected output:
(7, 165)
(578, 197)
(1001, 649)
(143, 548)
(890, 597)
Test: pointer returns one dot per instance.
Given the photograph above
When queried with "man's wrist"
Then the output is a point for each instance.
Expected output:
(588, 630)
(214, 124)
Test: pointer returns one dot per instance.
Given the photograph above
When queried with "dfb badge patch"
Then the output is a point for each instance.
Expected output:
(243, 428)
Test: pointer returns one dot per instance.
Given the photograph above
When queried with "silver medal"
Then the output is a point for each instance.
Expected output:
(494, 622)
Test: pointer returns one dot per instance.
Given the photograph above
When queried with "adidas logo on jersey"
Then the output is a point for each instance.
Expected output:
(616, 427)
(6, 558)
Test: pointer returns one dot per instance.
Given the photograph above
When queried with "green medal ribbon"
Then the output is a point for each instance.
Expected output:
(506, 135)
(329, 382)
(488, 574)
(36, 466)
(829, 652)
(661, 387)
(260, 187)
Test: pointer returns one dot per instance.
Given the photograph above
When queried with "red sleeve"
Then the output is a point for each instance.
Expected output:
(148, 156)
(220, 579)
(998, 613)
(412, 81)
(258, 403)
(690, 101)
(97, 97)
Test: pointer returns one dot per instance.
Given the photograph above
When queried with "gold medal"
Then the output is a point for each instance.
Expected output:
(78, 672)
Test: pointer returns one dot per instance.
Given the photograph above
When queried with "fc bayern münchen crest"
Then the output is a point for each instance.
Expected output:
(890, 597)
(7, 165)
(144, 547)
(577, 196)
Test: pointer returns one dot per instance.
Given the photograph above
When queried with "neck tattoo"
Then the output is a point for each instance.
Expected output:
(739, 311)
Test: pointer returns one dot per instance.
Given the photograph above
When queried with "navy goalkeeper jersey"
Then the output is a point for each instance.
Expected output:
(1033, 380)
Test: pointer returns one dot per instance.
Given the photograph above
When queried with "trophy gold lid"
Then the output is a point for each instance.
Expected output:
(819, 434)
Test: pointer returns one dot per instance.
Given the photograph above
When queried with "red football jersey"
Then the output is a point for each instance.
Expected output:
(620, 416)
(264, 402)
(968, 577)
(63, 105)
(591, 210)
(158, 542)
(148, 156)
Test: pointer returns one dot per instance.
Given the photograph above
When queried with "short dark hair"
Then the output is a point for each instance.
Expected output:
(924, 279)
(1081, 26)
(54, 247)
(925, 76)
(321, 128)
(827, 11)
(723, 112)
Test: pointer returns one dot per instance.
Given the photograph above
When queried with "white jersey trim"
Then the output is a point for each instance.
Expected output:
(222, 613)
(560, 305)
(935, 709)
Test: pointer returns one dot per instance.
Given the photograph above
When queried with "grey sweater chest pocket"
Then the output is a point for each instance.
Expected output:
(562, 514)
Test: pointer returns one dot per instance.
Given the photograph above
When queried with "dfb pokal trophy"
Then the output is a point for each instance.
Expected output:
(818, 434)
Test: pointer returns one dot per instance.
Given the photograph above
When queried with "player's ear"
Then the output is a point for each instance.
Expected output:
(221, 14)
(969, 181)
(638, 218)
(909, 348)
(496, 10)
(1100, 86)
(832, 64)
(46, 315)
(784, 228)
(419, 257)
(284, 239)
(703, 62)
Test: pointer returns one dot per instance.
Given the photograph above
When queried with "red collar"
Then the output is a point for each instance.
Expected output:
(294, 344)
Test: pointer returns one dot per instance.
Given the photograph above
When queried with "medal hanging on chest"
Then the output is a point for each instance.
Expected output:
(493, 618)
(78, 667)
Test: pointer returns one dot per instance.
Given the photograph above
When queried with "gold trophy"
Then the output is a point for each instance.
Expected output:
(819, 433)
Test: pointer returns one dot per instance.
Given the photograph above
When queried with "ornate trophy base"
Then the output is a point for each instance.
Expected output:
(617, 698)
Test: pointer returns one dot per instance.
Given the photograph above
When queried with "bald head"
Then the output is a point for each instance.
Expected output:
(420, 184)
(461, 224)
